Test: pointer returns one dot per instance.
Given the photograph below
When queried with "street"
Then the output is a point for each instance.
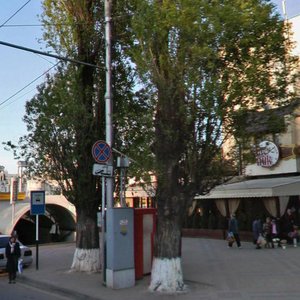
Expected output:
(22, 291)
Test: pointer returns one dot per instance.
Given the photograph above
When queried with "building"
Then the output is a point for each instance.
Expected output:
(269, 184)
(16, 215)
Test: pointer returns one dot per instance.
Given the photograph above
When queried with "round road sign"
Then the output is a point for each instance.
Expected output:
(101, 152)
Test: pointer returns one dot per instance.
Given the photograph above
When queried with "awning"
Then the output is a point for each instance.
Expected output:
(267, 187)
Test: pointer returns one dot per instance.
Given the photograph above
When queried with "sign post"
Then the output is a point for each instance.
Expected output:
(37, 207)
(101, 152)
(13, 197)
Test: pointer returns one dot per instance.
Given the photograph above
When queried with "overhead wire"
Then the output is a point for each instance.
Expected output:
(14, 14)
(23, 88)
(13, 101)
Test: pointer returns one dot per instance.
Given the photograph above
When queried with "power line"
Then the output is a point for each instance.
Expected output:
(31, 82)
(22, 25)
(47, 54)
(21, 96)
(14, 13)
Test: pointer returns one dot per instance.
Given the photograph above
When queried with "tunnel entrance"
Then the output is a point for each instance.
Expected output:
(26, 226)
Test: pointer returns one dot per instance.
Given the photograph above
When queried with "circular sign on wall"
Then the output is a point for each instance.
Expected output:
(267, 154)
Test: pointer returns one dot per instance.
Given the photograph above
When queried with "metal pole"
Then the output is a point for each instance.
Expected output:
(37, 241)
(13, 211)
(121, 187)
(103, 260)
(284, 10)
(108, 97)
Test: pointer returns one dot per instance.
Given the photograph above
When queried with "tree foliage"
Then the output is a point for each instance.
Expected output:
(203, 61)
(67, 115)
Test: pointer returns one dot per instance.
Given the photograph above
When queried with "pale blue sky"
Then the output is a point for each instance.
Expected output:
(19, 68)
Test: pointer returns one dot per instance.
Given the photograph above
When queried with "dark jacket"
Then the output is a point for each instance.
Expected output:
(256, 228)
(233, 225)
(12, 252)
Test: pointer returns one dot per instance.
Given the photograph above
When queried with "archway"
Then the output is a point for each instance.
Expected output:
(26, 225)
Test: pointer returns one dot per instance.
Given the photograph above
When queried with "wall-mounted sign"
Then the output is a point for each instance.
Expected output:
(123, 226)
(267, 154)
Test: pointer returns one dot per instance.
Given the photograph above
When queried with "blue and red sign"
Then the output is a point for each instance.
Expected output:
(101, 152)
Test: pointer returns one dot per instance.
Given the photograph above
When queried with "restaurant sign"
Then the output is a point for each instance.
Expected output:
(267, 154)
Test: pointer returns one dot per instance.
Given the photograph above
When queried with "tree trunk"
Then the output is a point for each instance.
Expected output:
(166, 275)
(87, 254)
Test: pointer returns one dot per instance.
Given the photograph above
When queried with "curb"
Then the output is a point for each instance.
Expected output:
(42, 285)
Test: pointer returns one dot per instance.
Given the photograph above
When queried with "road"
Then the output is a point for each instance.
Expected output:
(24, 292)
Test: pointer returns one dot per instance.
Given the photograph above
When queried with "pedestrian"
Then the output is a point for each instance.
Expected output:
(267, 233)
(257, 231)
(233, 228)
(12, 252)
(54, 232)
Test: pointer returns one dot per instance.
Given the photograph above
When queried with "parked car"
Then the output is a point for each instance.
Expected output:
(26, 253)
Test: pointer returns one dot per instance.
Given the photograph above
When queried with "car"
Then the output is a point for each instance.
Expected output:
(26, 253)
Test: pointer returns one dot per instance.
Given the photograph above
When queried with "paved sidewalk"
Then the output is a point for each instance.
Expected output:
(211, 271)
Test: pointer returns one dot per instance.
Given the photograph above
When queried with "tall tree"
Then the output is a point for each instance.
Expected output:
(66, 116)
(68, 109)
(203, 61)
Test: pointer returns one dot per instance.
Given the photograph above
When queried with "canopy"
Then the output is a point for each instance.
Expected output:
(266, 187)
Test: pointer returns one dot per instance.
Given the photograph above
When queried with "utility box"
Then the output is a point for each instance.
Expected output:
(144, 230)
(120, 248)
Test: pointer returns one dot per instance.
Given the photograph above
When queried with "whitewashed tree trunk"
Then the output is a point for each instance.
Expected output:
(87, 256)
(86, 260)
(166, 276)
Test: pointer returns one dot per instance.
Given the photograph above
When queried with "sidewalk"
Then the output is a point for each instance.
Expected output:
(211, 271)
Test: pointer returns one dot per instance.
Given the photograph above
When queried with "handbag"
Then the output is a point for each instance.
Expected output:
(261, 241)
(20, 265)
(230, 237)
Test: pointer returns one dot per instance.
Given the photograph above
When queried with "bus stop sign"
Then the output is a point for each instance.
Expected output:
(37, 201)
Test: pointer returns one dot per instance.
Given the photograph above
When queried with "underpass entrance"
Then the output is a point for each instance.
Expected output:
(62, 219)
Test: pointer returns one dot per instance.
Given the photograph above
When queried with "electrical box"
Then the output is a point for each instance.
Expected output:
(120, 272)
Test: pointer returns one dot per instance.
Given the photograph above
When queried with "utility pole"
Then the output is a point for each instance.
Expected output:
(284, 10)
(108, 98)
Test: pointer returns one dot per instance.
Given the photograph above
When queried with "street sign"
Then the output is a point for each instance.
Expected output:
(37, 201)
(102, 170)
(13, 190)
(101, 152)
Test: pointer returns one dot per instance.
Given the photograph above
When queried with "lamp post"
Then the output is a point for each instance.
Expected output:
(108, 97)
(21, 166)
(284, 10)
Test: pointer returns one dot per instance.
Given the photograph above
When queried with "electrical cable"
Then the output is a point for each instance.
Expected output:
(14, 13)
(13, 101)
(19, 91)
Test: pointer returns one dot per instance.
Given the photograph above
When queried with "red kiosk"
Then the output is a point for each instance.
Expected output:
(144, 229)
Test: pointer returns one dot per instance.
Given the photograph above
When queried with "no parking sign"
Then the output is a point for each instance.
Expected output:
(101, 152)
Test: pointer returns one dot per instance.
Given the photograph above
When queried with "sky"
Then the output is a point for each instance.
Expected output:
(19, 68)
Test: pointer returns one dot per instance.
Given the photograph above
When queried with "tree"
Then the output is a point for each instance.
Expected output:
(203, 61)
(66, 116)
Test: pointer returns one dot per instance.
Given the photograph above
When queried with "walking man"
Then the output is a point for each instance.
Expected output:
(233, 228)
